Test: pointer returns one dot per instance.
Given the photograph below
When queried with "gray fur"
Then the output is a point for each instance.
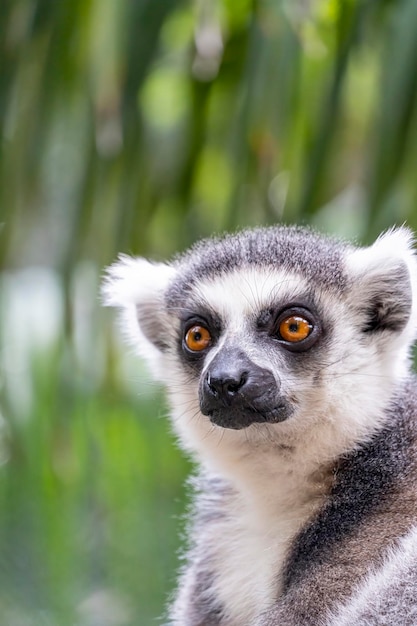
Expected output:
(294, 248)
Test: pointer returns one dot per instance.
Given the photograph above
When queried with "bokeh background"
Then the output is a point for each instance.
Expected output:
(139, 126)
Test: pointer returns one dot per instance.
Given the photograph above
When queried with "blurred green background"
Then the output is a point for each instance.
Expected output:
(138, 126)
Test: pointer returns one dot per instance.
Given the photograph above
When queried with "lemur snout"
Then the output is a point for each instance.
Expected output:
(235, 392)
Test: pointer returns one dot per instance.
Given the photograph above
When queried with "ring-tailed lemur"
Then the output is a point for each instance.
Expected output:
(286, 359)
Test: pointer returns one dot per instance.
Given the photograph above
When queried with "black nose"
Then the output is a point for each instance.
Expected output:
(225, 384)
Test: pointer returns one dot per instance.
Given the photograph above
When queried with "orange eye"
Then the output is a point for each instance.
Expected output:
(197, 338)
(295, 328)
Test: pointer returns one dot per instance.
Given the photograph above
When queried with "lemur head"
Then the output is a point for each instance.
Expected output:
(273, 333)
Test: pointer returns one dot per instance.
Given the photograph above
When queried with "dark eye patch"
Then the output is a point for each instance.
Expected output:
(270, 321)
(197, 316)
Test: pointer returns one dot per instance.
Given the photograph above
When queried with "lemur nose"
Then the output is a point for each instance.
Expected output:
(226, 384)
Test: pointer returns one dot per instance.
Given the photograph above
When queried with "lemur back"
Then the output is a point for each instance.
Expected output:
(286, 359)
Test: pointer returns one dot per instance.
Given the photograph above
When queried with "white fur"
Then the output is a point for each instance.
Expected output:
(247, 549)
(128, 283)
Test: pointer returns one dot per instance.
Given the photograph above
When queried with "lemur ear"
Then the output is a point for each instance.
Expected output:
(384, 281)
(137, 287)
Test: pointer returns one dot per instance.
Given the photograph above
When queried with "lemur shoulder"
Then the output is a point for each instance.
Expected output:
(286, 358)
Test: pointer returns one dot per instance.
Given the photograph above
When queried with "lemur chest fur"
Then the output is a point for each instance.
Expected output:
(248, 543)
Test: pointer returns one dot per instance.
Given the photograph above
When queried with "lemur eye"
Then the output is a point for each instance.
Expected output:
(297, 328)
(197, 338)
(294, 328)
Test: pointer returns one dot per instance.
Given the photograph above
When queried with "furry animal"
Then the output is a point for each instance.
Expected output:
(286, 358)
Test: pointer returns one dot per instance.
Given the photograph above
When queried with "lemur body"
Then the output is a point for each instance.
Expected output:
(286, 360)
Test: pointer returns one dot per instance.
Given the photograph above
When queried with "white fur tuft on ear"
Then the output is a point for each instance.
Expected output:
(391, 247)
(384, 285)
(132, 280)
(137, 287)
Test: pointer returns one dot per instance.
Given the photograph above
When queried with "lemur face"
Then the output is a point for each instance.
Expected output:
(278, 327)
(246, 340)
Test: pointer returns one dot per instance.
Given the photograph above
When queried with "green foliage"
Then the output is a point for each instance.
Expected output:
(139, 126)
(89, 491)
